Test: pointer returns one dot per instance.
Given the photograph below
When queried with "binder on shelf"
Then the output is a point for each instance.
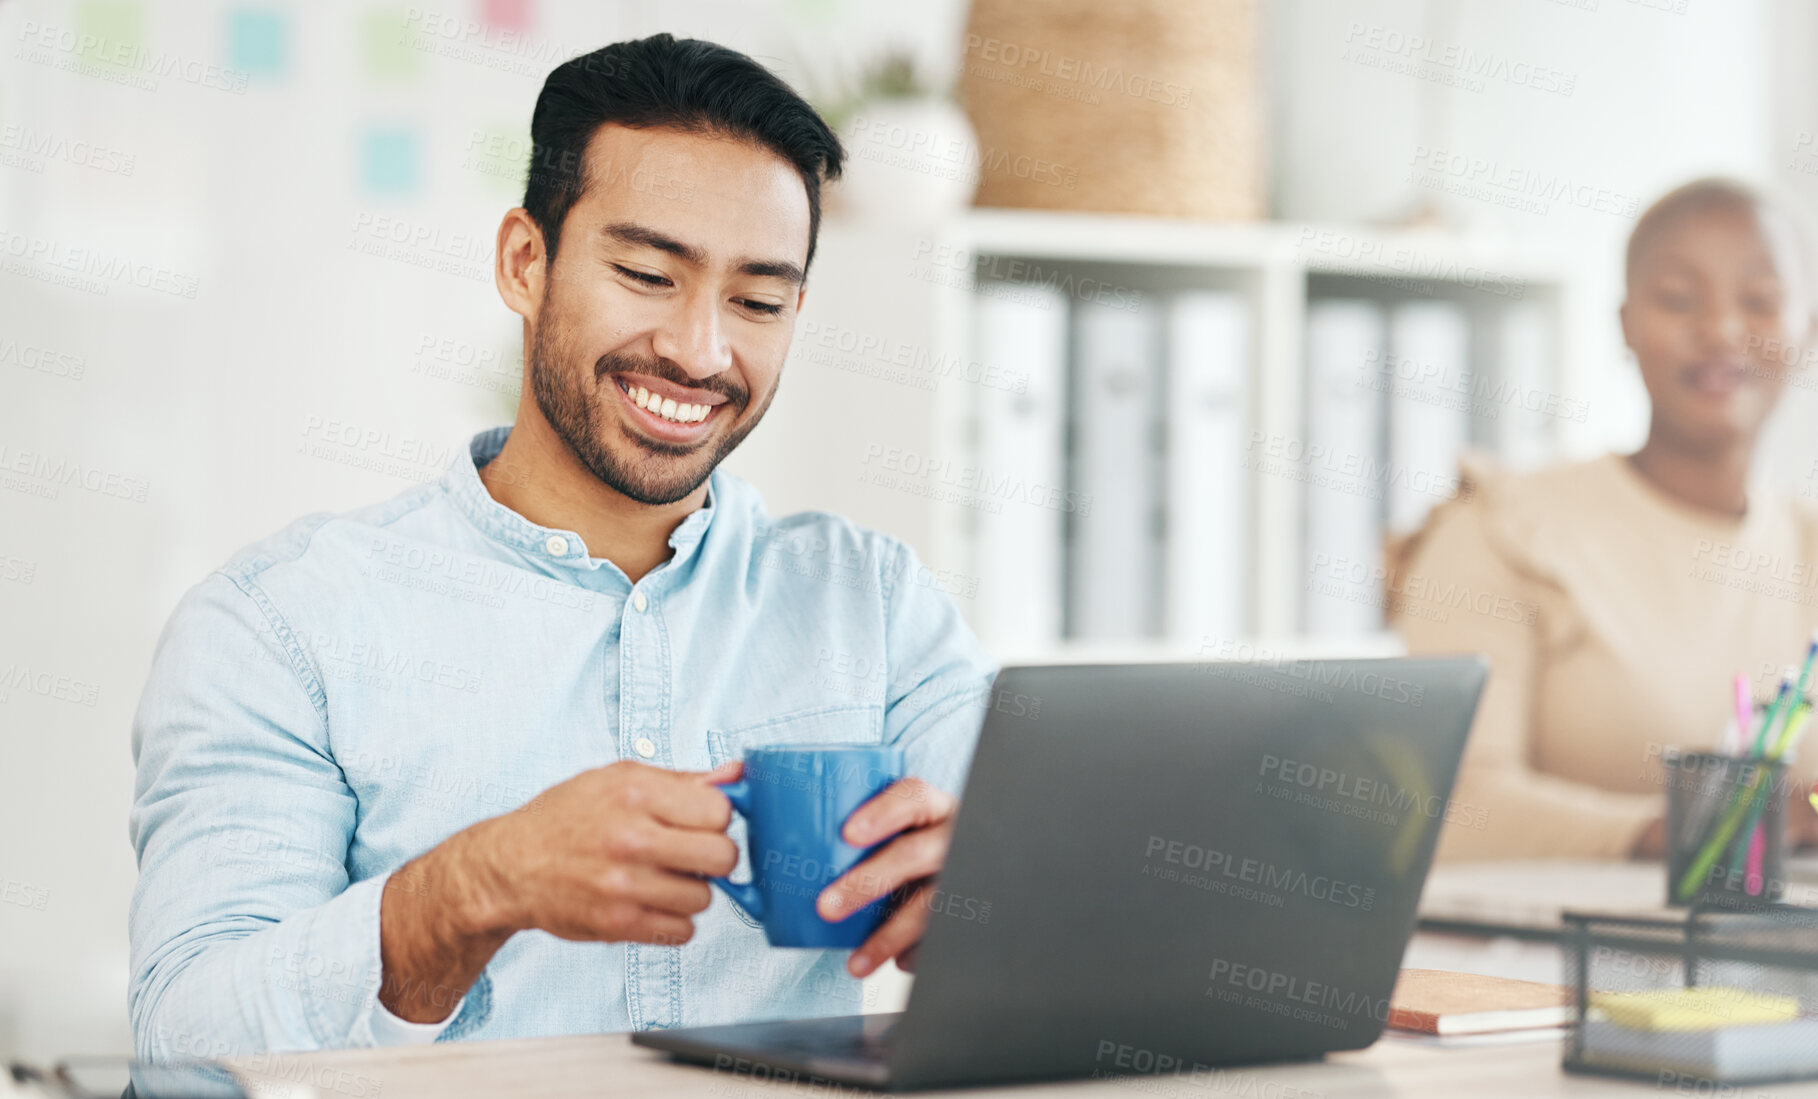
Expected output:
(1340, 464)
(1208, 497)
(1430, 401)
(1527, 408)
(1115, 560)
(1021, 343)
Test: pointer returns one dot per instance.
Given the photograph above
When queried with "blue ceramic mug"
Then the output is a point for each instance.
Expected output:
(795, 800)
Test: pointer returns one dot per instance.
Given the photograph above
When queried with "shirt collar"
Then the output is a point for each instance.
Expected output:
(462, 484)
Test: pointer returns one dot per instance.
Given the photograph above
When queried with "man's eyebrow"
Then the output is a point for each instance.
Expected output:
(626, 232)
(773, 269)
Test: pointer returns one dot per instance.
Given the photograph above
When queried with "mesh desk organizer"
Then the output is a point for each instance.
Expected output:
(1717, 997)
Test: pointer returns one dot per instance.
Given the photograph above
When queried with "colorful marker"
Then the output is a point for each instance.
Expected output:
(1745, 715)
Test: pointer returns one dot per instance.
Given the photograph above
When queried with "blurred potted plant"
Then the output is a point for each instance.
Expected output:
(911, 152)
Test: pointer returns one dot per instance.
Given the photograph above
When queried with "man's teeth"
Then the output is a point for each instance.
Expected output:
(666, 407)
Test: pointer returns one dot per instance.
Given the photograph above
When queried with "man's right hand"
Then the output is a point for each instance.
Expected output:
(616, 854)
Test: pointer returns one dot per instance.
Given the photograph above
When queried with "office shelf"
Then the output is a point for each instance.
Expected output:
(913, 287)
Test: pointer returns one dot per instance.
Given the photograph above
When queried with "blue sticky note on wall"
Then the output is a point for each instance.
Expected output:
(388, 158)
(258, 41)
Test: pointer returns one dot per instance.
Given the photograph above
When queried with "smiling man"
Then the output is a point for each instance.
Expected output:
(446, 767)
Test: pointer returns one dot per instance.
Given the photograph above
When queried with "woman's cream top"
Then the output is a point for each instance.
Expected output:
(1615, 619)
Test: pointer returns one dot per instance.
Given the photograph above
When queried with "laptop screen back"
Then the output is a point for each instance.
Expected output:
(1180, 865)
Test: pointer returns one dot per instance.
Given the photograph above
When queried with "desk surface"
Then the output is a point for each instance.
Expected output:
(609, 1065)
(1491, 895)
(1518, 897)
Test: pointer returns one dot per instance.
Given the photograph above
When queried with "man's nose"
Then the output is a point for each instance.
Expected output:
(693, 337)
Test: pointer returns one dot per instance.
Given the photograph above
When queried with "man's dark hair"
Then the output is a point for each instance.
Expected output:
(670, 83)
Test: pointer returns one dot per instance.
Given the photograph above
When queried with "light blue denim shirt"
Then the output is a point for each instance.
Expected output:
(345, 695)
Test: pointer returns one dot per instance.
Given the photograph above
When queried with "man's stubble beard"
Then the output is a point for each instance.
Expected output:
(663, 472)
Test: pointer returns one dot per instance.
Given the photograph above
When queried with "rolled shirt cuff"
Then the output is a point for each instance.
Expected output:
(389, 1030)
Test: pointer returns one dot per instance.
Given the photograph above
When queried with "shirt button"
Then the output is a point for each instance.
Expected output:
(557, 545)
(638, 600)
(644, 747)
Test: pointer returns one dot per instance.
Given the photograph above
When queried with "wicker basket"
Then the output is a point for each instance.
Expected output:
(1139, 106)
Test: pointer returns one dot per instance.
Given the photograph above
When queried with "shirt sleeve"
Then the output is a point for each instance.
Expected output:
(389, 1030)
(247, 934)
(939, 676)
(1502, 806)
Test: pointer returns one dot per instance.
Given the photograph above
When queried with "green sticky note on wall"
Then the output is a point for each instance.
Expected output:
(499, 153)
(388, 45)
(111, 32)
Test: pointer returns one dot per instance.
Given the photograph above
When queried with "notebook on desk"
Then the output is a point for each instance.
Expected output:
(1444, 1004)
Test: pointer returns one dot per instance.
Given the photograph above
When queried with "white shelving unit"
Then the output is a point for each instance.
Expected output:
(902, 288)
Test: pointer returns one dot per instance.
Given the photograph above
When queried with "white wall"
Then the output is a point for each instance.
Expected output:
(1793, 154)
(1656, 97)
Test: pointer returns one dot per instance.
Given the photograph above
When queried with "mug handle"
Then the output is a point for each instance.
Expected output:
(743, 894)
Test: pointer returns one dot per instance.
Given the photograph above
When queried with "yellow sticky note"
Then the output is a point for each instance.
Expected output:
(1706, 1008)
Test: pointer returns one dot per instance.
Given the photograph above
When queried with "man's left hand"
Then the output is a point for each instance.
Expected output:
(921, 818)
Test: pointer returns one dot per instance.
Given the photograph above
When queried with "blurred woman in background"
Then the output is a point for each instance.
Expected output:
(1643, 582)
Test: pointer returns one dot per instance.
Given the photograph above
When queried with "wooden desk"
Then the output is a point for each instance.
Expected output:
(1526, 897)
(1493, 898)
(609, 1065)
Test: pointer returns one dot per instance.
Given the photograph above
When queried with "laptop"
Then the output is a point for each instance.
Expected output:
(1159, 868)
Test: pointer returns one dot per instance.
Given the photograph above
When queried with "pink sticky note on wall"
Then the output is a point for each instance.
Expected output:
(506, 15)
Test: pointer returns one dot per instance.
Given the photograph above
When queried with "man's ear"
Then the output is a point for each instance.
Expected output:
(519, 266)
(1622, 316)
